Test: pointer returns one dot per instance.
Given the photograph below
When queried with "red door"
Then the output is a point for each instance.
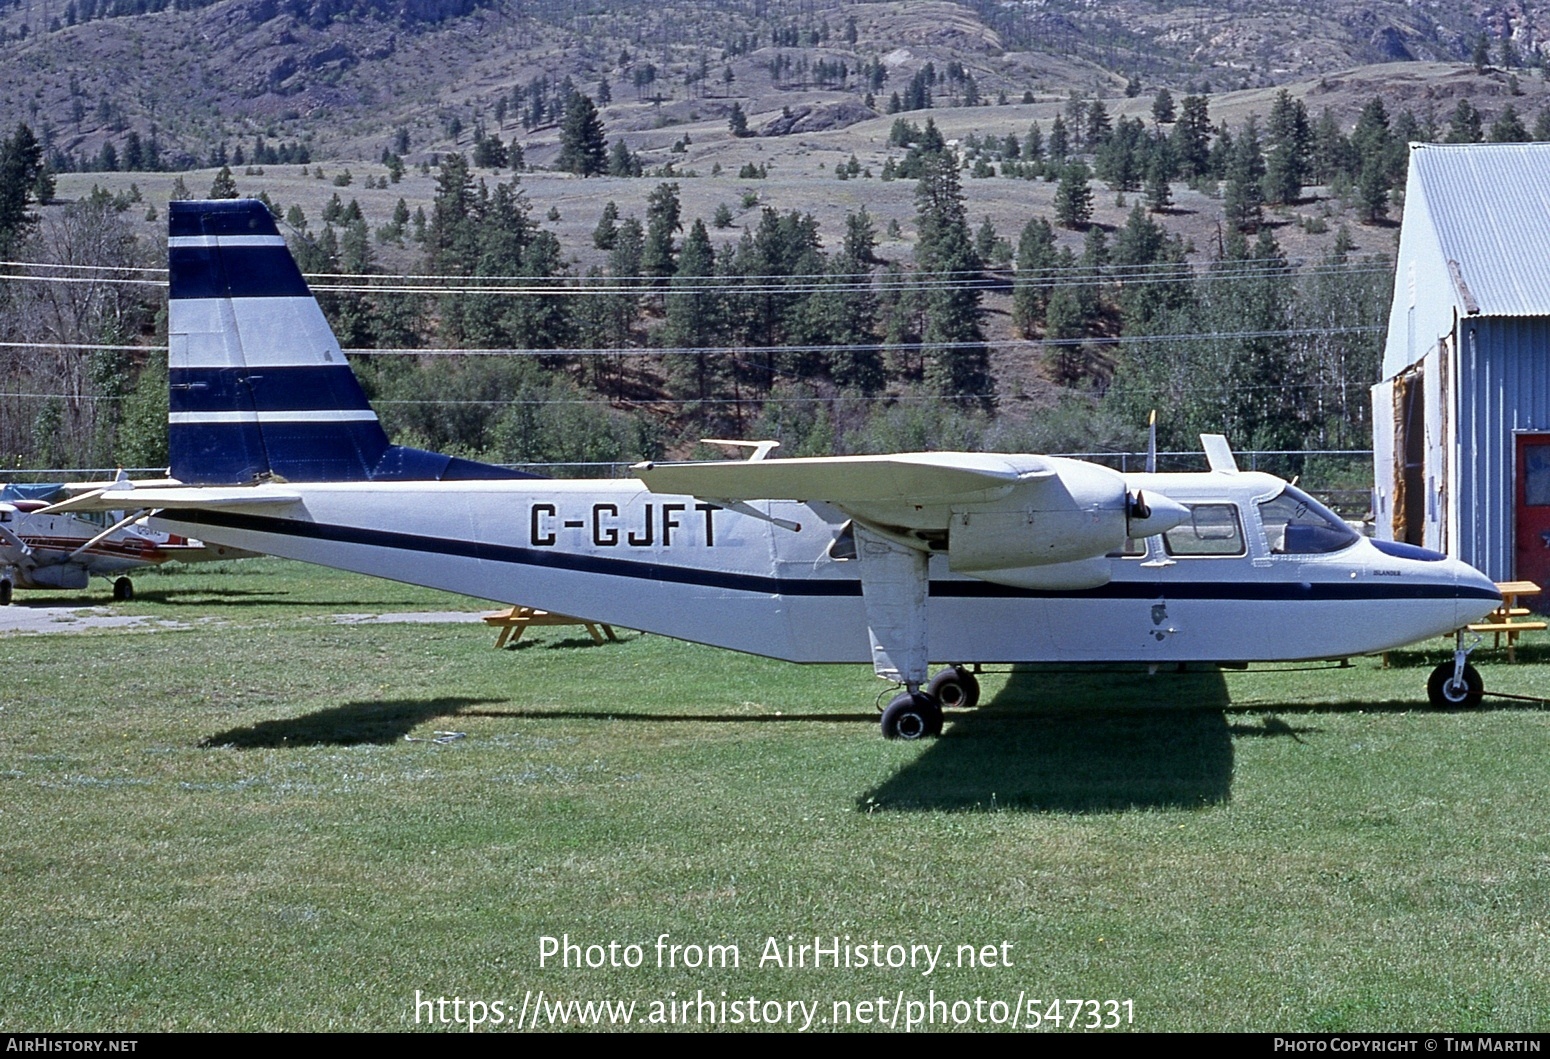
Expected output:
(1533, 509)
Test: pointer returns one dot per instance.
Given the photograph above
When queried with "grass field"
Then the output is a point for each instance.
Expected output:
(223, 827)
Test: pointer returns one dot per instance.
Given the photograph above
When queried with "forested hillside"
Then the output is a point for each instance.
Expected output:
(562, 234)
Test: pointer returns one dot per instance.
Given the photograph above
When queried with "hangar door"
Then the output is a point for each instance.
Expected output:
(1409, 519)
(1531, 513)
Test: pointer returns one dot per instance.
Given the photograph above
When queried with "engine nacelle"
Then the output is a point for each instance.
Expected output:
(997, 540)
(1081, 512)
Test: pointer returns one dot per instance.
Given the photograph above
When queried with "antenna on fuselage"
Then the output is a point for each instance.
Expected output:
(1151, 443)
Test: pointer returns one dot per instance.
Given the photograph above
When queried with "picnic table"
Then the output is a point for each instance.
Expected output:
(1507, 619)
(514, 622)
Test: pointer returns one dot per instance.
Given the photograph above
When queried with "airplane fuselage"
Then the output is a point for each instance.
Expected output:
(613, 551)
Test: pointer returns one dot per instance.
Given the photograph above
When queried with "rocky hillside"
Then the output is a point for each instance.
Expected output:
(345, 76)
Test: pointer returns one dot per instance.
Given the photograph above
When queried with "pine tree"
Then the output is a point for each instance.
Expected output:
(737, 121)
(607, 230)
(225, 185)
(1291, 140)
(1372, 192)
(663, 218)
(1508, 127)
(1244, 195)
(1033, 144)
(850, 309)
(1542, 125)
(1372, 141)
(693, 318)
(1465, 125)
(1098, 127)
(1332, 151)
(1159, 191)
(450, 240)
(1162, 107)
(957, 361)
(21, 163)
(1073, 197)
(583, 146)
(1192, 137)
(621, 162)
(1035, 257)
(1480, 55)
(1059, 141)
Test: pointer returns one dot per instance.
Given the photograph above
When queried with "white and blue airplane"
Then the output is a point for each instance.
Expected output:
(40, 549)
(896, 560)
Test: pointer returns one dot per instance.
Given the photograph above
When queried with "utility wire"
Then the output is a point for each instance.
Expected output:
(879, 345)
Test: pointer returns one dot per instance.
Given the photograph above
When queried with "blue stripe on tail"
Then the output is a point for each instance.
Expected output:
(259, 388)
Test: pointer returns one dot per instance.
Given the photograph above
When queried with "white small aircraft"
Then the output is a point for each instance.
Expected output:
(896, 560)
(41, 548)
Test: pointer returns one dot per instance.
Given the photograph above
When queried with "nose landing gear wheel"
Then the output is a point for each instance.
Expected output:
(955, 688)
(912, 715)
(1444, 694)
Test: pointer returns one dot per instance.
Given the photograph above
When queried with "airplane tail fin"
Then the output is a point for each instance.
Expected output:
(259, 388)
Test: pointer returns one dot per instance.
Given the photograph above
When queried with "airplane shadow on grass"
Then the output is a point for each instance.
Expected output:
(1079, 742)
(353, 724)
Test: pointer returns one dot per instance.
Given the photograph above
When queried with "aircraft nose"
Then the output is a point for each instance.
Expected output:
(1477, 594)
(1162, 514)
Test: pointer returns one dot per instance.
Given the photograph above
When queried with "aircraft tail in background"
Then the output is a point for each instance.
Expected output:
(259, 388)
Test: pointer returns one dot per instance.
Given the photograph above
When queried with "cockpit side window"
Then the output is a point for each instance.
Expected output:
(1297, 524)
(1213, 530)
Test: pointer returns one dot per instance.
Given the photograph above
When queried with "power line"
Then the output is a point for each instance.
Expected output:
(862, 347)
(1160, 391)
(874, 282)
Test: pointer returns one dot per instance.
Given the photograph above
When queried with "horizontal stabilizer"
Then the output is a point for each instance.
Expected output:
(204, 498)
(916, 477)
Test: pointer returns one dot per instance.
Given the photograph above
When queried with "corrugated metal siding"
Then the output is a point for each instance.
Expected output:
(1504, 387)
(1490, 204)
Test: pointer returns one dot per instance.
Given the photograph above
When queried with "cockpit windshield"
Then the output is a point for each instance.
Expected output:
(1297, 524)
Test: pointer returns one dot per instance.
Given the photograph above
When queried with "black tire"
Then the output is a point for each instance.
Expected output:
(955, 688)
(912, 715)
(1443, 695)
(5, 592)
(123, 590)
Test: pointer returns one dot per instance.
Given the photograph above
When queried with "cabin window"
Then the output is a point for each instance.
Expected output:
(1212, 530)
(1297, 524)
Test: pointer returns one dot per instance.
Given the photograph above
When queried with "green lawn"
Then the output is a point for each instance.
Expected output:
(223, 827)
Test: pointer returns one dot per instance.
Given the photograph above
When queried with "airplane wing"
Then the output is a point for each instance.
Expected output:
(206, 498)
(918, 477)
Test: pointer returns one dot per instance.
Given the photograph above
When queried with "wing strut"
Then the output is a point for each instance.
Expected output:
(894, 587)
(99, 538)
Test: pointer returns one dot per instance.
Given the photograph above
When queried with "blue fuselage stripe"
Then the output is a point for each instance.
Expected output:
(831, 587)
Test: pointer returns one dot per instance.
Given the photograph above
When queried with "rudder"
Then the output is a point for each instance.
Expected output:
(258, 386)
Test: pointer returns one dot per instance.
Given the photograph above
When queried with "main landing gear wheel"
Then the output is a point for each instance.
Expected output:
(123, 590)
(955, 688)
(5, 593)
(1446, 694)
(912, 715)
